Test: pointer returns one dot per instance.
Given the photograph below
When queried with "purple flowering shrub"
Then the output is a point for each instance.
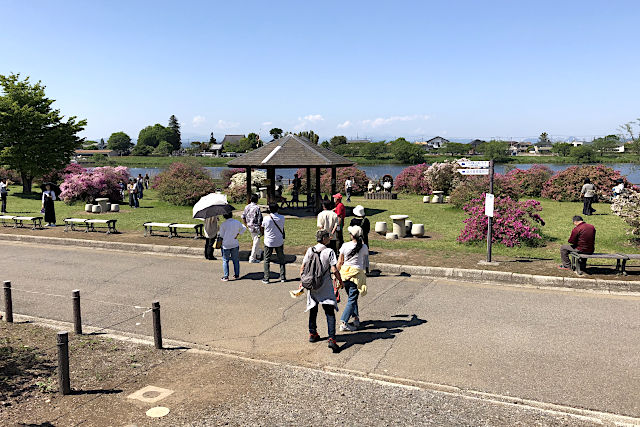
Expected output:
(565, 186)
(89, 185)
(183, 183)
(473, 186)
(412, 180)
(515, 223)
(531, 181)
(360, 179)
(59, 175)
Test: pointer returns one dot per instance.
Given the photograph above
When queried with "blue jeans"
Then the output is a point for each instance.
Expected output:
(330, 312)
(351, 308)
(232, 254)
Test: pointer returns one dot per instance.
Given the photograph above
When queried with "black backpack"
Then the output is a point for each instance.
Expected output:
(312, 274)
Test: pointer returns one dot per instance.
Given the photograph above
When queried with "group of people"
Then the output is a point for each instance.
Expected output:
(135, 188)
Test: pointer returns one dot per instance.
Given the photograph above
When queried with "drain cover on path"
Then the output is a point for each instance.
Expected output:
(150, 394)
(157, 412)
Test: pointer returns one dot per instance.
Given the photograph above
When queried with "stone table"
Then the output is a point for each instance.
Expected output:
(438, 197)
(103, 204)
(399, 226)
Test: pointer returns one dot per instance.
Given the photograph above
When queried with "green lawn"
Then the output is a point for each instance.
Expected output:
(442, 223)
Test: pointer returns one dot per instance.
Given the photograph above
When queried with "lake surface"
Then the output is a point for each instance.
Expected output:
(631, 171)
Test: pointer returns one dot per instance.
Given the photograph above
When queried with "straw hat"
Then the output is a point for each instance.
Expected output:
(358, 211)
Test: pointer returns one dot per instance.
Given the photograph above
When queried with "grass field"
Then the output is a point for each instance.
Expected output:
(442, 224)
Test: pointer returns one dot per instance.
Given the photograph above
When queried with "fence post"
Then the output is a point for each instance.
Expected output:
(157, 329)
(8, 304)
(64, 384)
(77, 317)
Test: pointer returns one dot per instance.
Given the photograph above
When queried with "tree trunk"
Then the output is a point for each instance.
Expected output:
(27, 181)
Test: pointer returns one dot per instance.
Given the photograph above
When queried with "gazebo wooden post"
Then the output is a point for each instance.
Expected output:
(248, 185)
(333, 180)
(309, 187)
(318, 197)
(271, 191)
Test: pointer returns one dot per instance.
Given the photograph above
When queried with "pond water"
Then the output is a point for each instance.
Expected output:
(631, 171)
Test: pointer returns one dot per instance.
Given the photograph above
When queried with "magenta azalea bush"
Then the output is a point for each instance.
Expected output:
(530, 181)
(183, 183)
(89, 185)
(515, 223)
(472, 187)
(412, 180)
(565, 185)
(360, 179)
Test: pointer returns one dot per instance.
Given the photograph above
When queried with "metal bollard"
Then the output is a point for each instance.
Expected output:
(64, 383)
(157, 329)
(8, 305)
(77, 317)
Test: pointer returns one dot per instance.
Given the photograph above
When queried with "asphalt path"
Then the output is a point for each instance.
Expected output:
(576, 348)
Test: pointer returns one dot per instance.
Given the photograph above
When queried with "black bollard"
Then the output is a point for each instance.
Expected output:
(77, 317)
(8, 305)
(157, 329)
(64, 383)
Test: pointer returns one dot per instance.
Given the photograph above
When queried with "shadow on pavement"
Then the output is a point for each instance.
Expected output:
(108, 391)
(371, 330)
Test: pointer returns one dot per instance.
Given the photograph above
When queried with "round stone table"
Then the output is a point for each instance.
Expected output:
(103, 204)
(399, 226)
(438, 197)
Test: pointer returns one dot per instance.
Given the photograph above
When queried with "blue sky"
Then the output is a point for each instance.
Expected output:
(370, 68)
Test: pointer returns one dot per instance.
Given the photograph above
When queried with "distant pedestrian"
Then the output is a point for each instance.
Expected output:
(274, 235)
(324, 295)
(229, 232)
(352, 263)
(361, 221)
(297, 183)
(146, 180)
(619, 188)
(582, 240)
(341, 211)
(48, 197)
(3, 195)
(328, 221)
(140, 186)
(588, 193)
(210, 233)
(133, 193)
(348, 187)
(252, 219)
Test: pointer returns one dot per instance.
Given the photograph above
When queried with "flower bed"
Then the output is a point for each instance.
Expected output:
(412, 180)
(183, 183)
(530, 181)
(565, 186)
(89, 185)
(473, 187)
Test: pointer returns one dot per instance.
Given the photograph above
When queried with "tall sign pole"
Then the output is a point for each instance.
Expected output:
(490, 217)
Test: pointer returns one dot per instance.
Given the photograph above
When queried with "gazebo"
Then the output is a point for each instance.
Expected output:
(291, 151)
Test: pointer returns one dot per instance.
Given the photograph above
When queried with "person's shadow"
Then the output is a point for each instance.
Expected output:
(371, 330)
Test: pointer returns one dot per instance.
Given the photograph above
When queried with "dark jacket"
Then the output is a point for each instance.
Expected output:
(583, 238)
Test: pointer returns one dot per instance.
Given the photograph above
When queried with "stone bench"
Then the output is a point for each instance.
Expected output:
(18, 221)
(579, 261)
(197, 228)
(7, 220)
(624, 261)
(148, 227)
(70, 223)
(109, 223)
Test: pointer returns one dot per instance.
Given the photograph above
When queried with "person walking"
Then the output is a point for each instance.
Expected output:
(361, 221)
(274, 234)
(341, 211)
(348, 187)
(140, 186)
(324, 295)
(588, 193)
(252, 219)
(146, 180)
(328, 221)
(352, 263)
(581, 240)
(210, 232)
(618, 189)
(3, 195)
(133, 193)
(229, 231)
(48, 197)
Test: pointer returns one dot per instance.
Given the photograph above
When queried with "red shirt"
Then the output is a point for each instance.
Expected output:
(583, 238)
(341, 211)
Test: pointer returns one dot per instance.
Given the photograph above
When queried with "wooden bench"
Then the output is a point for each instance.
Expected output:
(18, 221)
(579, 261)
(197, 228)
(109, 223)
(624, 261)
(4, 219)
(70, 223)
(148, 227)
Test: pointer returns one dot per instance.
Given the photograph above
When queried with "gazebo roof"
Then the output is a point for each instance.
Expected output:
(291, 151)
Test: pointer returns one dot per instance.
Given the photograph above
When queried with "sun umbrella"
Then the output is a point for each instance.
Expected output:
(54, 188)
(212, 205)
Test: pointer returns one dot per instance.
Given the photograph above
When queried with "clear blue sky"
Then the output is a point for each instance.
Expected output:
(373, 68)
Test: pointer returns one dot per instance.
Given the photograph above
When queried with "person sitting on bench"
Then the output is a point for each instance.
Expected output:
(582, 240)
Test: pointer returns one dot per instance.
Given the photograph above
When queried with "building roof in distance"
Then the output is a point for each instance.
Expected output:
(232, 138)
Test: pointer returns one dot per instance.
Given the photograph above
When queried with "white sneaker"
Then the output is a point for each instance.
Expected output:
(346, 327)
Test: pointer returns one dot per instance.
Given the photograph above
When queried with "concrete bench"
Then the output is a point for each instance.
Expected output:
(7, 220)
(579, 261)
(109, 223)
(197, 228)
(70, 223)
(18, 221)
(624, 261)
(148, 227)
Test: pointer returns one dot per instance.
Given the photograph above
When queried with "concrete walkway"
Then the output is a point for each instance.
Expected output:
(572, 348)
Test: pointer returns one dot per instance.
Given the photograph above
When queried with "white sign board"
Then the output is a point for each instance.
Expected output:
(488, 204)
(473, 171)
(473, 164)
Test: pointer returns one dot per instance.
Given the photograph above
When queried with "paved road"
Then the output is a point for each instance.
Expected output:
(570, 348)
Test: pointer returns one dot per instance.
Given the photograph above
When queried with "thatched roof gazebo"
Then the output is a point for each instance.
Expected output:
(291, 151)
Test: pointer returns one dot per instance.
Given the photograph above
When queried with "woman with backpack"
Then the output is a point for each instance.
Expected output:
(352, 263)
(317, 266)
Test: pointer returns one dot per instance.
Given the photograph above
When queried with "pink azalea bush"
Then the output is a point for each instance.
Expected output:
(183, 183)
(412, 180)
(442, 176)
(60, 175)
(360, 179)
(515, 223)
(10, 175)
(565, 185)
(89, 185)
(530, 181)
(472, 187)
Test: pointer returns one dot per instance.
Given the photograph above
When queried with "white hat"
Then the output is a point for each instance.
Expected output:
(355, 230)
(358, 210)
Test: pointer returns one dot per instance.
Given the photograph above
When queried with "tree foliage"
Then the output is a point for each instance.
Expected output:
(34, 139)
(275, 133)
(152, 135)
(174, 139)
(338, 140)
(120, 142)
(310, 135)
(142, 150)
(406, 152)
(562, 148)
(454, 148)
(583, 154)
(163, 149)
(606, 144)
(495, 150)
(543, 139)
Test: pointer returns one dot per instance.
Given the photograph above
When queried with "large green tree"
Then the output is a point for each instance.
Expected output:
(406, 152)
(310, 135)
(338, 140)
(606, 144)
(34, 139)
(276, 133)
(120, 142)
(495, 150)
(543, 139)
(152, 135)
(562, 148)
(174, 126)
(454, 148)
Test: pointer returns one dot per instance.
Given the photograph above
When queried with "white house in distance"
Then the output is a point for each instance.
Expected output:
(433, 143)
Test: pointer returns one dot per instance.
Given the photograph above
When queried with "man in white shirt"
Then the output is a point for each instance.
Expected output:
(229, 232)
(348, 187)
(3, 195)
(328, 221)
(273, 230)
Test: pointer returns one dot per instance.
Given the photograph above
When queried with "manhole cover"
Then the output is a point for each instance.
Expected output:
(150, 394)
(157, 412)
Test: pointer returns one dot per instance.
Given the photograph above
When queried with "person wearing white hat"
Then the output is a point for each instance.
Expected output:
(352, 263)
(362, 222)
